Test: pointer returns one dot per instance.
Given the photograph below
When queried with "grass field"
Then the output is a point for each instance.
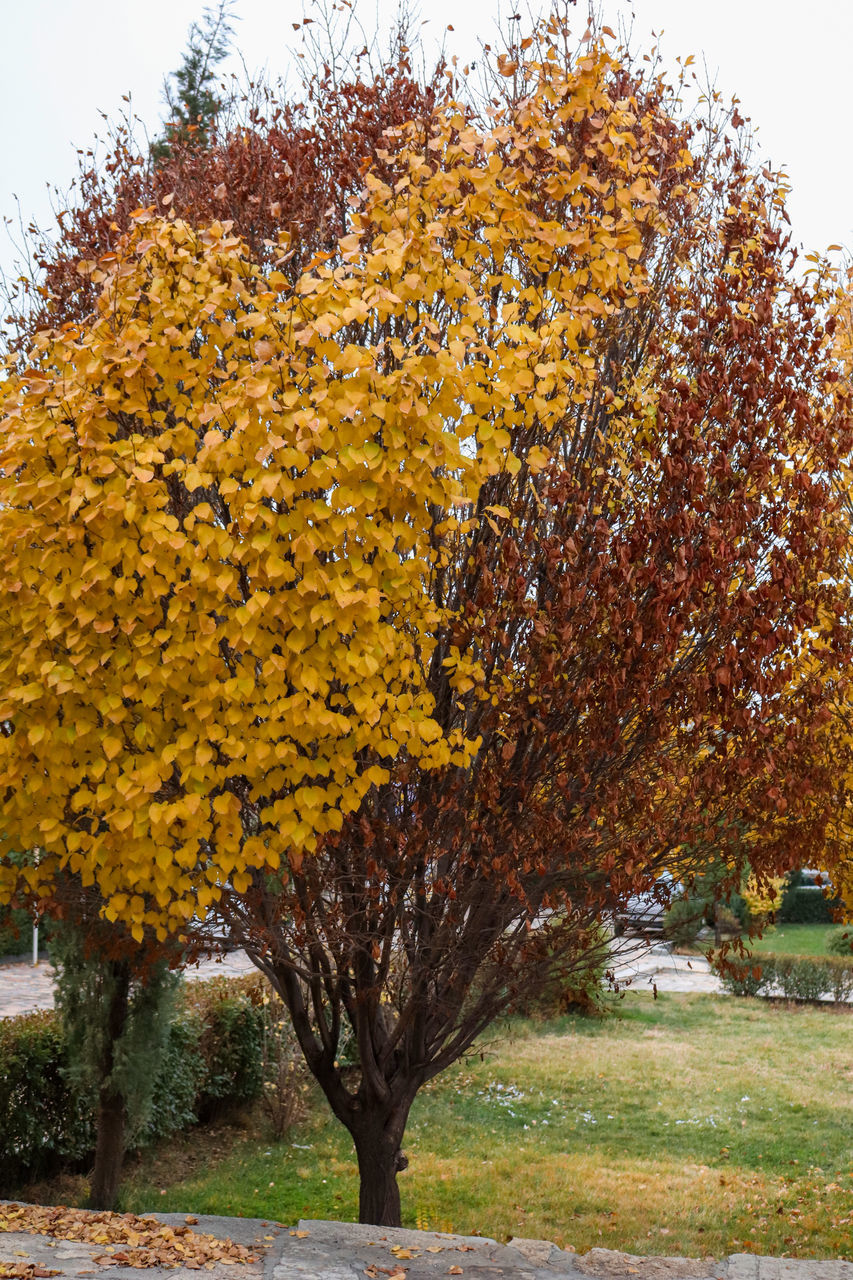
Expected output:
(794, 939)
(690, 1124)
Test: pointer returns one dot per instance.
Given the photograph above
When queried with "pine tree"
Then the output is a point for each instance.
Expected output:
(190, 93)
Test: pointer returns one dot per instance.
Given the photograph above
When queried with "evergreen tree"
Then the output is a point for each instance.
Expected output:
(115, 998)
(190, 93)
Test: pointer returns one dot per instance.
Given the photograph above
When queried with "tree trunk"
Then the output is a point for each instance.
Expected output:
(109, 1150)
(377, 1146)
(112, 1109)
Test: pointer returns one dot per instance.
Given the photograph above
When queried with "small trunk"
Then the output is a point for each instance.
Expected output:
(112, 1109)
(379, 1161)
(109, 1150)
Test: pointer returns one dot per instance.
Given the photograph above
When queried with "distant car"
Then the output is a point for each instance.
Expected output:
(812, 878)
(645, 912)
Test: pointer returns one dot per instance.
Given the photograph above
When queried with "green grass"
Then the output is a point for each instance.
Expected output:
(690, 1124)
(794, 940)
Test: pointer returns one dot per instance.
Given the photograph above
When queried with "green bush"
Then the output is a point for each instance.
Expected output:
(802, 905)
(840, 942)
(214, 1059)
(548, 982)
(44, 1122)
(176, 1088)
(801, 977)
(741, 977)
(840, 977)
(797, 977)
(232, 1045)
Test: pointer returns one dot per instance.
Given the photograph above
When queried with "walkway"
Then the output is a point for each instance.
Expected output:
(644, 967)
(25, 987)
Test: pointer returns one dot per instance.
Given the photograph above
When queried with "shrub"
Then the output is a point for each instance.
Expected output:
(739, 976)
(798, 977)
(284, 1073)
(231, 1045)
(840, 977)
(801, 977)
(683, 921)
(805, 904)
(840, 942)
(548, 981)
(174, 1097)
(44, 1121)
(214, 1059)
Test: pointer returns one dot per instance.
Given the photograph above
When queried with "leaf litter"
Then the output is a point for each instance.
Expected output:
(129, 1241)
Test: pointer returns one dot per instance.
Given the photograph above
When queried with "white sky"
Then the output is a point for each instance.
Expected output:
(62, 62)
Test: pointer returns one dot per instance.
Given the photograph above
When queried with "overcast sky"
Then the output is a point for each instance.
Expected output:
(63, 62)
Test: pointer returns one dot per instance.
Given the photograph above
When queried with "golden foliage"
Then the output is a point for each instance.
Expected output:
(224, 499)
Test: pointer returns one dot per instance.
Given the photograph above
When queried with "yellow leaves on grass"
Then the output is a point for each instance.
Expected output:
(223, 500)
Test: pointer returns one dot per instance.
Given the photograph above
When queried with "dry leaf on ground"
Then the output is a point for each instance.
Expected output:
(143, 1242)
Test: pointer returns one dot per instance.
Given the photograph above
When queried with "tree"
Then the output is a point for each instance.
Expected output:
(271, 163)
(115, 998)
(420, 608)
(193, 105)
(292, 168)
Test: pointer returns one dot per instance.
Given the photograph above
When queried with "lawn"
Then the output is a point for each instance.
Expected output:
(690, 1124)
(794, 940)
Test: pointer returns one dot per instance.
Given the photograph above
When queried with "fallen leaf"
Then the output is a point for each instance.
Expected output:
(126, 1239)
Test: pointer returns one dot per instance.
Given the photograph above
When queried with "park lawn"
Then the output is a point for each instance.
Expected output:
(687, 1125)
(793, 940)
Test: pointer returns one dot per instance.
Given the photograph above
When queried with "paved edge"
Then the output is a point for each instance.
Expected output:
(331, 1251)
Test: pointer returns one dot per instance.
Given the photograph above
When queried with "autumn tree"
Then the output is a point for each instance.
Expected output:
(269, 162)
(417, 607)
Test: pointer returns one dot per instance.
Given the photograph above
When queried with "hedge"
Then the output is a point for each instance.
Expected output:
(213, 1061)
(806, 905)
(794, 977)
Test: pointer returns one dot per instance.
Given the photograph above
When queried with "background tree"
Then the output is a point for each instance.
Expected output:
(115, 997)
(272, 162)
(439, 597)
(191, 99)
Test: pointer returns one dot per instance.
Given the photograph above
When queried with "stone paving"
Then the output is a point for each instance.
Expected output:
(643, 967)
(316, 1250)
(25, 987)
